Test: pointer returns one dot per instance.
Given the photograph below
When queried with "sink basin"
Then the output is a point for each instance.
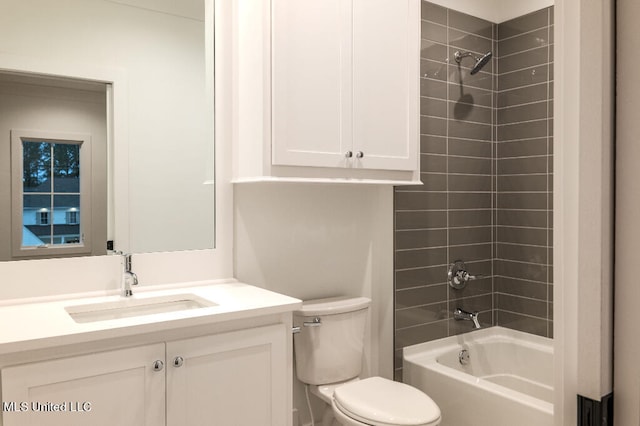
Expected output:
(134, 307)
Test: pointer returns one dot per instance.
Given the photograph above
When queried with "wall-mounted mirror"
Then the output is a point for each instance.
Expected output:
(158, 116)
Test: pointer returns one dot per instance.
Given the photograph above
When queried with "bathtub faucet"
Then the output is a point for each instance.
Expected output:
(461, 315)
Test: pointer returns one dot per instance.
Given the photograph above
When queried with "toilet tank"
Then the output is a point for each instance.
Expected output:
(329, 347)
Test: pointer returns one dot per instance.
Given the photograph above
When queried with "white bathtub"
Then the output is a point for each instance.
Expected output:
(508, 380)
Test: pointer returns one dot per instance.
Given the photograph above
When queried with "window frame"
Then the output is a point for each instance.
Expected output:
(17, 161)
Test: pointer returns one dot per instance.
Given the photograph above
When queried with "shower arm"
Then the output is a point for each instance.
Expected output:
(458, 56)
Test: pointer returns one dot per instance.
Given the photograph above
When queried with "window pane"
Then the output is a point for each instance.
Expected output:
(36, 166)
(66, 168)
(36, 219)
(66, 225)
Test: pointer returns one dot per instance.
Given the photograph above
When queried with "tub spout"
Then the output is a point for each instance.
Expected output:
(461, 315)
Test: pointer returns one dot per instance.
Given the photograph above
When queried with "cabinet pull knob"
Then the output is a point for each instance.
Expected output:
(158, 365)
(178, 361)
(359, 154)
(348, 154)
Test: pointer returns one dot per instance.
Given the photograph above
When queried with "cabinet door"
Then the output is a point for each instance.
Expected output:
(230, 379)
(311, 82)
(104, 389)
(386, 72)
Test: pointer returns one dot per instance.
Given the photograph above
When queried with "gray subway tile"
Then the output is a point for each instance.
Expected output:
(468, 130)
(417, 258)
(433, 88)
(468, 42)
(418, 277)
(470, 253)
(421, 219)
(522, 183)
(469, 200)
(470, 95)
(530, 218)
(524, 288)
(527, 77)
(420, 334)
(421, 238)
(434, 107)
(524, 323)
(523, 130)
(469, 165)
(434, 32)
(433, 126)
(528, 112)
(434, 13)
(522, 60)
(433, 69)
(430, 182)
(421, 296)
(470, 217)
(469, 183)
(459, 236)
(522, 95)
(468, 112)
(530, 236)
(433, 144)
(469, 148)
(522, 200)
(522, 253)
(521, 24)
(525, 271)
(421, 315)
(434, 51)
(521, 305)
(480, 303)
(522, 42)
(470, 24)
(482, 285)
(526, 165)
(433, 163)
(420, 200)
(522, 148)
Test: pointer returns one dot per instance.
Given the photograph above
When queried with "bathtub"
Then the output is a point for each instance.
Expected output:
(508, 379)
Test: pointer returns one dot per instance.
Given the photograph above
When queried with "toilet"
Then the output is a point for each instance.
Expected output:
(328, 357)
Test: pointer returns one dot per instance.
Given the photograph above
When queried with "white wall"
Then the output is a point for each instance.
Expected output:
(314, 240)
(495, 10)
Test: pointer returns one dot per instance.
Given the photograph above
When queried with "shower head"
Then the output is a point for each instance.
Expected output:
(480, 62)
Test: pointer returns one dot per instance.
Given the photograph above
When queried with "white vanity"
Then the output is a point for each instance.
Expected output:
(220, 353)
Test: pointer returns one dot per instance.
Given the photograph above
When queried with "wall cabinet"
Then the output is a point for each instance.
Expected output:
(322, 89)
(233, 378)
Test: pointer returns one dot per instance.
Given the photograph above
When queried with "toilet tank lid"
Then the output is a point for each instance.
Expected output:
(332, 306)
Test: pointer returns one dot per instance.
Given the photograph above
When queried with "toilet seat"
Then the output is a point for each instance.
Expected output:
(381, 402)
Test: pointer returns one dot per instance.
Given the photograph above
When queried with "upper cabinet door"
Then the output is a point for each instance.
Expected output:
(386, 72)
(311, 82)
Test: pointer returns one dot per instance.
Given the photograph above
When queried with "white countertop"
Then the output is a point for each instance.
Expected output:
(42, 325)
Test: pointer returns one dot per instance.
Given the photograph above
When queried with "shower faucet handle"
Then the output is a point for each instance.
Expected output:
(458, 275)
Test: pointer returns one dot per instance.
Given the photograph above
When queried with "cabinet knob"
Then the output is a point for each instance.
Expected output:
(178, 361)
(158, 365)
(359, 154)
(348, 154)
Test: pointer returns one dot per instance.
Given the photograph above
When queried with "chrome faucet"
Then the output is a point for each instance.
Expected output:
(129, 278)
(461, 315)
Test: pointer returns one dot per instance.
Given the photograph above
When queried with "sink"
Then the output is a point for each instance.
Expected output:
(134, 307)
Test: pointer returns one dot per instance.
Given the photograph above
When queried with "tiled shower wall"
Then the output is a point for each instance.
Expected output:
(484, 140)
(523, 289)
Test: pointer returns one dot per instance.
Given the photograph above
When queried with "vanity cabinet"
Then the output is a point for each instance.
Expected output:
(117, 387)
(324, 89)
(237, 377)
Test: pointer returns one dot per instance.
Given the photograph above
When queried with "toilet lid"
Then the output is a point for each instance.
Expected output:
(381, 402)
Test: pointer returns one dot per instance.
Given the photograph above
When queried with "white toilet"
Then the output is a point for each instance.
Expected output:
(328, 353)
